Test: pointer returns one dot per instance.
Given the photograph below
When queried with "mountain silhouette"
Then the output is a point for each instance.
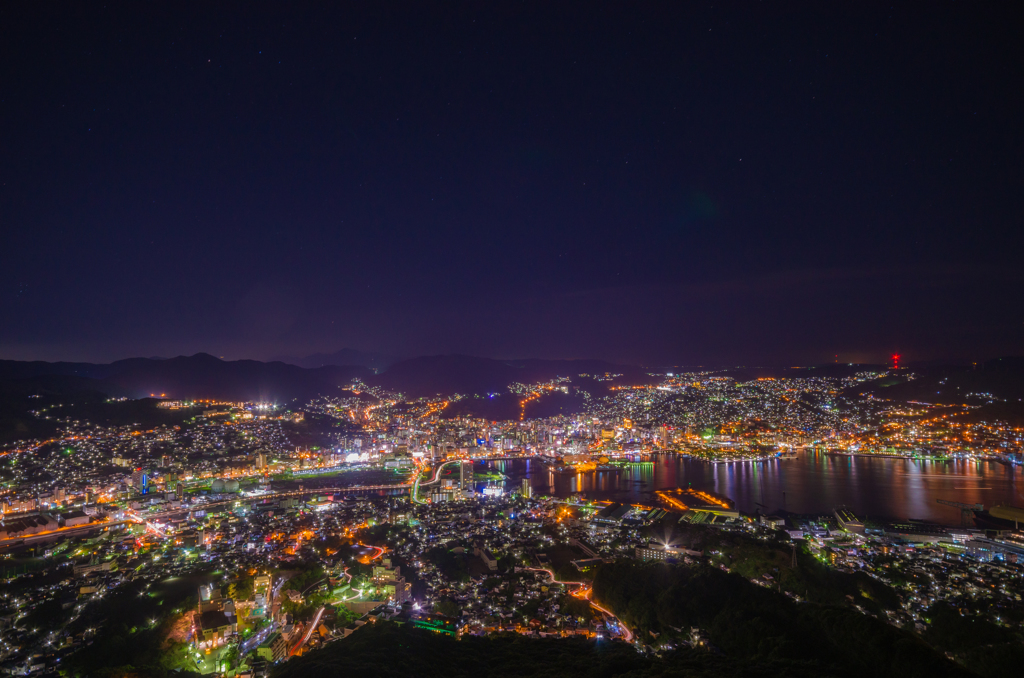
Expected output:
(198, 376)
(346, 356)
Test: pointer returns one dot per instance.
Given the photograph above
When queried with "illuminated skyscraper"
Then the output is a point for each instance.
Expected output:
(140, 480)
(466, 476)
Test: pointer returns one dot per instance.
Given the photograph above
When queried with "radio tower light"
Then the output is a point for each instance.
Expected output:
(895, 361)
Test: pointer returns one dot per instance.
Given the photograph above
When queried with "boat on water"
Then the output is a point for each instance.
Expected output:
(1000, 517)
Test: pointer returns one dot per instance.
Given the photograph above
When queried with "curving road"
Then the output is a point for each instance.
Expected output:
(585, 592)
(380, 552)
(437, 476)
(309, 632)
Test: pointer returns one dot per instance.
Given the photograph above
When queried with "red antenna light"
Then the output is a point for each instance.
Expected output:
(895, 361)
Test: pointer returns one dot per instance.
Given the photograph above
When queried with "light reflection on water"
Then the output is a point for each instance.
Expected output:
(811, 483)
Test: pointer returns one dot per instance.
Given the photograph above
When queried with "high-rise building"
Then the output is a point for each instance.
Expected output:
(466, 476)
(527, 488)
(140, 480)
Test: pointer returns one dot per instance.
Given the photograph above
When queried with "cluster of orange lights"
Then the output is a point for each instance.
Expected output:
(709, 499)
(671, 497)
(533, 396)
(434, 408)
(582, 592)
(672, 501)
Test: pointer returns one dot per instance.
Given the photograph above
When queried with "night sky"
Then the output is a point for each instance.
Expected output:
(659, 183)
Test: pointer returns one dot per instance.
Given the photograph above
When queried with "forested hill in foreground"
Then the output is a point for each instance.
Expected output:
(753, 632)
(751, 623)
(388, 650)
(780, 601)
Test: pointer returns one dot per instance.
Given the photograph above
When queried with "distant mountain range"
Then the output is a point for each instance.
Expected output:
(197, 376)
(205, 376)
(27, 386)
(445, 374)
(346, 356)
(1001, 380)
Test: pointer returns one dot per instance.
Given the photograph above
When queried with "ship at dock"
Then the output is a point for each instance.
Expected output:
(1000, 517)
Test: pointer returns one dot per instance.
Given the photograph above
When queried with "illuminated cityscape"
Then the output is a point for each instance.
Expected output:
(295, 525)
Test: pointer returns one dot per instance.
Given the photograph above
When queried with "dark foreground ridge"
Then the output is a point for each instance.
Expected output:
(757, 626)
(387, 649)
(752, 631)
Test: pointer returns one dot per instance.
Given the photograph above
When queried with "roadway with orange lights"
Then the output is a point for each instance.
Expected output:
(584, 592)
(104, 523)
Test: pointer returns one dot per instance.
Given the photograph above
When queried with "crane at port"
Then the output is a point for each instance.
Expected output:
(966, 510)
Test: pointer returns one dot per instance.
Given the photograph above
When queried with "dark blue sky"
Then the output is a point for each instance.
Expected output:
(659, 183)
